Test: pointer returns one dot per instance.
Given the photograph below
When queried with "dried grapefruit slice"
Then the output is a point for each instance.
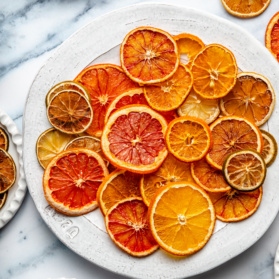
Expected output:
(230, 134)
(234, 205)
(149, 55)
(272, 36)
(181, 228)
(117, 186)
(214, 71)
(4, 139)
(170, 94)
(70, 112)
(172, 170)
(128, 227)
(252, 97)
(104, 82)
(270, 148)
(188, 138)
(71, 181)
(133, 139)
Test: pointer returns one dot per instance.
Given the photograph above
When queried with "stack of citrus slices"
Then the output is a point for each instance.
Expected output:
(163, 145)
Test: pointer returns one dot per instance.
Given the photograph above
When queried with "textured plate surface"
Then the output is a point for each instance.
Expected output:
(17, 192)
(99, 43)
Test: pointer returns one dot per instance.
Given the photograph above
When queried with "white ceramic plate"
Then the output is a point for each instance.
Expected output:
(17, 192)
(98, 42)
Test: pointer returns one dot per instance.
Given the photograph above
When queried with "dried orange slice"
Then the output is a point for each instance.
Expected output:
(245, 8)
(196, 106)
(4, 139)
(214, 71)
(184, 227)
(50, 143)
(230, 134)
(117, 186)
(244, 170)
(170, 94)
(234, 205)
(133, 139)
(7, 171)
(88, 142)
(104, 82)
(272, 36)
(3, 198)
(270, 148)
(67, 85)
(71, 181)
(70, 112)
(128, 227)
(252, 97)
(149, 55)
(208, 177)
(172, 170)
(189, 46)
(188, 138)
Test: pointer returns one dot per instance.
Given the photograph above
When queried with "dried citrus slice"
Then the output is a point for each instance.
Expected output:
(133, 139)
(234, 205)
(170, 94)
(208, 177)
(189, 46)
(244, 170)
(252, 97)
(70, 112)
(184, 227)
(3, 198)
(172, 170)
(89, 142)
(196, 106)
(4, 139)
(214, 71)
(117, 186)
(71, 181)
(128, 227)
(149, 55)
(188, 138)
(104, 83)
(7, 171)
(270, 148)
(67, 85)
(230, 134)
(245, 8)
(272, 36)
(50, 143)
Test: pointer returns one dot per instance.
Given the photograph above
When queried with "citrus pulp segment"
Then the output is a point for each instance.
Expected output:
(270, 148)
(117, 186)
(272, 36)
(234, 205)
(214, 71)
(71, 181)
(188, 138)
(128, 227)
(252, 97)
(181, 228)
(104, 82)
(133, 139)
(169, 95)
(149, 55)
(70, 112)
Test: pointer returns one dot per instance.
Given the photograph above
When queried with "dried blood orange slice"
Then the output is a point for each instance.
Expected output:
(172, 170)
(104, 83)
(170, 94)
(252, 97)
(230, 134)
(4, 139)
(117, 186)
(181, 228)
(234, 205)
(133, 139)
(270, 148)
(272, 36)
(71, 181)
(214, 71)
(149, 55)
(128, 227)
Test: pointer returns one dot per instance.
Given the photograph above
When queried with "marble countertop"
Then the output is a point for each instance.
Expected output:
(30, 31)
